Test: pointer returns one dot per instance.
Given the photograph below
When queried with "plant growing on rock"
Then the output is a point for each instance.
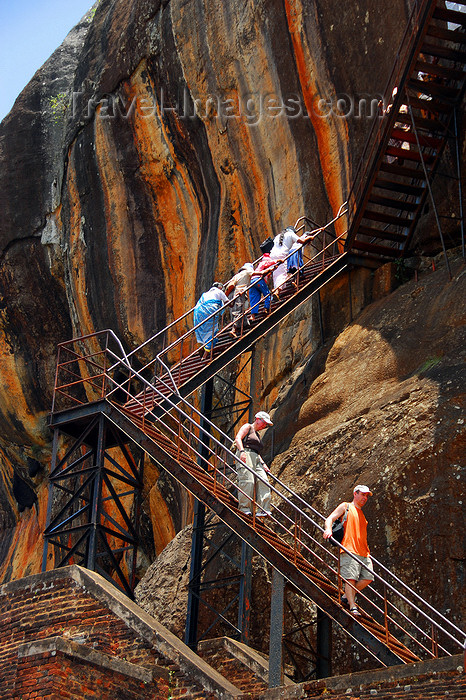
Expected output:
(58, 104)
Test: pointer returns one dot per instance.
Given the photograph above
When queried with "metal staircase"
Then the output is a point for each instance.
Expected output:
(290, 540)
(142, 395)
(174, 365)
(148, 406)
(410, 133)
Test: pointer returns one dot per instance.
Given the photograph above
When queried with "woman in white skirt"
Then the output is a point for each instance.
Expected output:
(283, 244)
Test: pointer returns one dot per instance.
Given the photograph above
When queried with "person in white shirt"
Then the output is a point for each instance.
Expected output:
(283, 244)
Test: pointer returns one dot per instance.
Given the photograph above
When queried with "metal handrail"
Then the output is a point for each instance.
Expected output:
(302, 513)
(341, 212)
(218, 312)
(197, 430)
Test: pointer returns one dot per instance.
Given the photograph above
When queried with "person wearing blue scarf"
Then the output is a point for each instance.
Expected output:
(207, 305)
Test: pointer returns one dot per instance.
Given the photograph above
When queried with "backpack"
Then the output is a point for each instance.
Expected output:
(338, 528)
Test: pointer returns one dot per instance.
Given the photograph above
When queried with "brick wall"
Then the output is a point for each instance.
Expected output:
(60, 639)
(437, 679)
(70, 634)
(57, 675)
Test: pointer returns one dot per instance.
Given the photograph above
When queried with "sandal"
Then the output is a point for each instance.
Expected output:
(355, 611)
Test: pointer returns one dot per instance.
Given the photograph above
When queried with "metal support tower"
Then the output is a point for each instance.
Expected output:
(94, 499)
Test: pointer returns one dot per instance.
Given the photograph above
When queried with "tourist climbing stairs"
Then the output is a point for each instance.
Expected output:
(417, 116)
(175, 364)
(395, 625)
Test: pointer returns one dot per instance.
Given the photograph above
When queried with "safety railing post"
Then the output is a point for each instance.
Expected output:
(385, 612)
(295, 538)
(179, 440)
(144, 408)
(339, 582)
(434, 641)
(104, 370)
(56, 380)
(211, 351)
(180, 361)
(215, 466)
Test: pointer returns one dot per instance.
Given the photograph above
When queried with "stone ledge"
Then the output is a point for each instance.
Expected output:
(355, 681)
(251, 658)
(84, 653)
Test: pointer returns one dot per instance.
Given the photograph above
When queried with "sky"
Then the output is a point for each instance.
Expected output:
(30, 31)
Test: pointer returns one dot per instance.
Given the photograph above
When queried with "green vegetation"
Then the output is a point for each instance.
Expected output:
(401, 272)
(428, 364)
(58, 103)
(93, 10)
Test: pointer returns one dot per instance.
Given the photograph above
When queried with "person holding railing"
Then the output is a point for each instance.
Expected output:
(357, 570)
(260, 288)
(208, 303)
(285, 243)
(249, 447)
(238, 286)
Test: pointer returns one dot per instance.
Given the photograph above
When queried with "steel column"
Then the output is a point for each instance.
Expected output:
(56, 433)
(276, 630)
(324, 645)
(245, 587)
(460, 187)
(192, 614)
(96, 497)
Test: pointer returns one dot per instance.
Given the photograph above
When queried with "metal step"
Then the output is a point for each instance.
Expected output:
(387, 218)
(379, 233)
(452, 35)
(397, 186)
(408, 154)
(392, 203)
(443, 52)
(410, 137)
(403, 171)
(450, 15)
(376, 249)
(433, 126)
(429, 87)
(440, 71)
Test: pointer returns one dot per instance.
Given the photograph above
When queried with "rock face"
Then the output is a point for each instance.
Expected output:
(151, 154)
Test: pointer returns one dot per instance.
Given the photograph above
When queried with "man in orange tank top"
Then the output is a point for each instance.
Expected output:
(356, 570)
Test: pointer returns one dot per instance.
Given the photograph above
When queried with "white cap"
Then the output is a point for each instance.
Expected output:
(262, 415)
(249, 267)
(362, 489)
